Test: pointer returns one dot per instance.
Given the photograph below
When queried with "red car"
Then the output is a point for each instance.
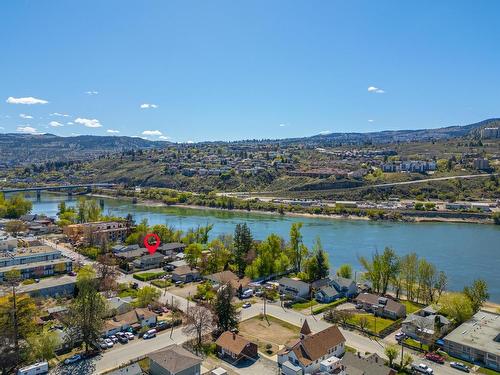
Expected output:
(434, 358)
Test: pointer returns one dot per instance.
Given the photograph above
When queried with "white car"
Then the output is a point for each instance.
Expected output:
(109, 343)
(423, 369)
(129, 335)
(114, 339)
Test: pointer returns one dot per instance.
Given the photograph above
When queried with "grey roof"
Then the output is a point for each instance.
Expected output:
(133, 369)
(57, 309)
(175, 358)
(172, 246)
(297, 284)
(115, 302)
(48, 282)
(329, 291)
(426, 322)
(129, 254)
(371, 365)
(343, 282)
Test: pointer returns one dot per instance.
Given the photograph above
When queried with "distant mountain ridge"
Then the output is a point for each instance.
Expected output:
(31, 148)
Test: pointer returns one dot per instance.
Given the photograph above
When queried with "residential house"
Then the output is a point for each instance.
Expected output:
(230, 277)
(7, 243)
(185, 274)
(477, 340)
(355, 364)
(304, 355)
(381, 306)
(149, 261)
(293, 288)
(172, 246)
(337, 287)
(134, 319)
(174, 360)
(426, 325)
(118, 305)
(234, 347)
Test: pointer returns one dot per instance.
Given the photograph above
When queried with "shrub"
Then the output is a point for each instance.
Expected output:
(320, 309)
(146, 276)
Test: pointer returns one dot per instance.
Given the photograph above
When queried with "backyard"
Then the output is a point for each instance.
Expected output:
(373, 324)
(268, 334)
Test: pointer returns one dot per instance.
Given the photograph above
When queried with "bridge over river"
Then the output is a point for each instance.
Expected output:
(39, 189)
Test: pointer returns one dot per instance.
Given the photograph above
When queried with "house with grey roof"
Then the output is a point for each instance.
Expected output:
(174, 360)
(293, 288)
(425, 327)
(133, 369)
(381, 306)
(337, 287)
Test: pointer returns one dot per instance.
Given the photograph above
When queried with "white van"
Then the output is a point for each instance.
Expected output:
(149, 334)
(34, 369)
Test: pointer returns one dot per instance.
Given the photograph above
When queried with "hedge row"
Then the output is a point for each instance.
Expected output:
(323, 308)
(146, 276)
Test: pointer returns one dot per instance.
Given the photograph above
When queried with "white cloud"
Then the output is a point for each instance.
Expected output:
(22, 115)
(375, 90)
(70, 123)
(28, 100)
(325, 132)
(190, 142)
(89, 123)
(151, 132)
(112, 131)
(2, 128)
(59, 114)
(55, 124)
(91, 92)
(147, 105)
(282, 125)
(26, 129)
(164, 137)
(371, 120)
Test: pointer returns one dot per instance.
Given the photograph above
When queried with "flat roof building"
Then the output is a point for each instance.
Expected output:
(477, 340)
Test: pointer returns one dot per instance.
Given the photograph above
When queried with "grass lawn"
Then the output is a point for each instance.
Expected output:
(304, 305)
(381, 323)
(268, 336)
(487, 371)
(411, 307)
(128, 293)
(416, 344)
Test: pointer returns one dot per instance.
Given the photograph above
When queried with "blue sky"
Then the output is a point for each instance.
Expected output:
(226, 70)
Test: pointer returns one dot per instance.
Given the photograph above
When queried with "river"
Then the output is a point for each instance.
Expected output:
(463, 251)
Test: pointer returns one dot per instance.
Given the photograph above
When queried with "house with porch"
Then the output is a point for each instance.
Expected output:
(233, 347)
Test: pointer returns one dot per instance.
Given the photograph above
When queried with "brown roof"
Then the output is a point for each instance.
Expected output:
(174, 358)
(232, 342)
(305, 330)
(373, 299)
(230, 277)
(315, 346)
(134, 316)
(184, 270)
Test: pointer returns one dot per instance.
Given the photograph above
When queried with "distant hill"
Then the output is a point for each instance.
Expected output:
(27, 148)
(391, 136)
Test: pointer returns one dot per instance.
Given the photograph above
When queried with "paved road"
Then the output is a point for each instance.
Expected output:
(122, 354)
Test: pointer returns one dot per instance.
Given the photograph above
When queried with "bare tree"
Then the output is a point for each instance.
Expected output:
(199, 322)
(363, 323)
(106, 274)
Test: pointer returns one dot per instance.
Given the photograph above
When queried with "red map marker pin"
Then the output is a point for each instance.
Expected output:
(151, 247)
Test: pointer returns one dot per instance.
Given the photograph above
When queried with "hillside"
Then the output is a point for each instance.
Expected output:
(29, 148)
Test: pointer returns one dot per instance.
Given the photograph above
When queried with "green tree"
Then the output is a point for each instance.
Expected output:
(218, 258)
(88, 210)
(242, 246)
(193, 254)
(14, 227)
(84, 320)
(317, 266)
(456, 306)
(43, 345)
(477, 293)
(392, 353)
(345, 271)
(147, 295)
(271, 258)
(297, 250)
(14, 207)
(225, 311)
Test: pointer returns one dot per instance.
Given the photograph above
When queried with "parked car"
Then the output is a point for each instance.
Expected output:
(161, 325)
(113, 338)
(460, 366)
(130, 335)
(434, 357)
(109, 343)
(72, 359)
(149, 334)
(359, 306)
(179, 282)
(122, 338)
(422, 368)
(102, 344)
(400, 336)
(246, 305)
(34, 369)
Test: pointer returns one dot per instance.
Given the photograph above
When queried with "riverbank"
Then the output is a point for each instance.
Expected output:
(394, 215)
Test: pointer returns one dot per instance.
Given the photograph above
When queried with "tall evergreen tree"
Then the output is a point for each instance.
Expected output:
(242, 245)
(318, 265)
(227, 316)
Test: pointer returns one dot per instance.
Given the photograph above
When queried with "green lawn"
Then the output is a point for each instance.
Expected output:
(411, 307)
(304, 305)
(323, 307)
(146, 276)
(381, 323)
(416, 344)
(487, 371)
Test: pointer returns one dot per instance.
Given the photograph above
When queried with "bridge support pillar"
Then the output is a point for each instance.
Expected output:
(101, 203)
(38, 195)
(70, 193)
